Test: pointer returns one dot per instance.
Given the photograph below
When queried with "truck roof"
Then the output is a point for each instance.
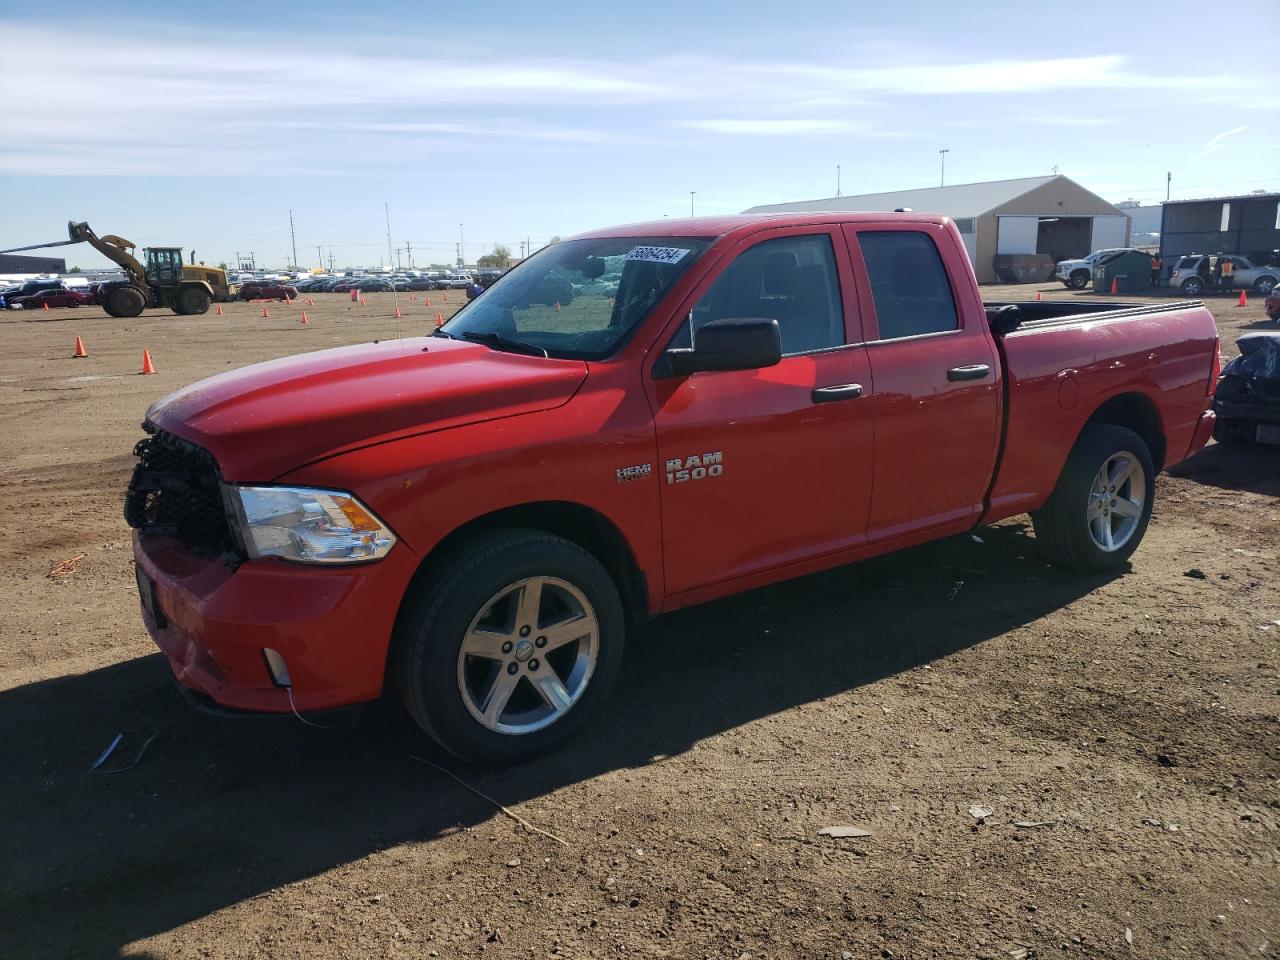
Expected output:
(719, 226)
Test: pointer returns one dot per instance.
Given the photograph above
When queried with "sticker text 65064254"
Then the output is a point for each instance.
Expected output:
(657, 254)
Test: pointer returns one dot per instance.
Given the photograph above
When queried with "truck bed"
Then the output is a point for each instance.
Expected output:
(1063, 362)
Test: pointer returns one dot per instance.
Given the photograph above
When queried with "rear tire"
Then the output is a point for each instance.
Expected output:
(1091, 523)
(125, 302)
(1193, 287)
(473, 633)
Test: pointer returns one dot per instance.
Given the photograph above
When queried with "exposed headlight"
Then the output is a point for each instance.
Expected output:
(308, 525)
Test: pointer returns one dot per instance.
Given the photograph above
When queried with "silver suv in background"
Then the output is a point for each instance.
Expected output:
(1195, 274)
(1078, 274)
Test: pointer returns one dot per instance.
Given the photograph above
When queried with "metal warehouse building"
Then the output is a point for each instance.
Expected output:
(1247, 225)
(16, 264)
(1011, 219)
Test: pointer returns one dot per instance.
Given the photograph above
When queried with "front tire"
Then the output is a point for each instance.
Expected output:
(125, 302)
(1099, 510)
(192, 301)
(1079, 280)
(510, 647)
(1264, 286)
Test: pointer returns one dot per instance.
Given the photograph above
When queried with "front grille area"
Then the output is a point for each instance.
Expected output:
(176, 491)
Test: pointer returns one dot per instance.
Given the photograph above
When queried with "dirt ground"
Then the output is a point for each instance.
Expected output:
(1122, 730)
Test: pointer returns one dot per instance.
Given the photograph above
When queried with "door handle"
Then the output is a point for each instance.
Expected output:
(972, 371)
(845, 391)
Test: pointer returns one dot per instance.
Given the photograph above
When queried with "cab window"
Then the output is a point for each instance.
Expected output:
(789, 279)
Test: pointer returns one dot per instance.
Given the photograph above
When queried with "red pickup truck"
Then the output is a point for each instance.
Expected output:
(475, 517)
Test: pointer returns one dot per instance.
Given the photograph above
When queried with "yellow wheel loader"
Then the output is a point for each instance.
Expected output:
(165, 281)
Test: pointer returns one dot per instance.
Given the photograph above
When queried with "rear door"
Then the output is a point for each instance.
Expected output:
(762, 468)
(937, 377)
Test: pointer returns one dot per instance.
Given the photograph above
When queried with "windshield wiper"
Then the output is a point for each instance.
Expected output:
(498, 342)
(439, 332)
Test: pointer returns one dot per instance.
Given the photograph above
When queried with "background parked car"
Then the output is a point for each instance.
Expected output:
(1272, 305)
(265, 290)
(50, 298)
(1196, 273)
(1078, 274)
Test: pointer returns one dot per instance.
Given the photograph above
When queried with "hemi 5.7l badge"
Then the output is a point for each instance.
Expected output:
(696, 467)
(640, 471)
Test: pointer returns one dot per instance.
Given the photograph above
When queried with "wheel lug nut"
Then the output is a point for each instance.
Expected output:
(525, 631)
(513, 667)
(541, 642)
(533, 664)
(506, 647)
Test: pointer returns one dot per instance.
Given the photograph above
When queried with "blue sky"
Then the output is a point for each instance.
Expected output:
(524, 120)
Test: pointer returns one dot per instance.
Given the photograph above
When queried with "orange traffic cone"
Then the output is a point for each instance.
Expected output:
(1115, 285)
(427, 301)
(147, 365)
(1244, 301)
(1037, 296)
(310, 302)
(80, 350)
(217, 309)
(439, 319)
(557, 306)
(304, 321)
(46, 307)
(362, 301)
(397, 313)
(446, 296)
(265, 311)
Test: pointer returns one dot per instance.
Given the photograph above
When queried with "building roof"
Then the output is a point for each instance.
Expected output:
(960, 200)
(1237, 196)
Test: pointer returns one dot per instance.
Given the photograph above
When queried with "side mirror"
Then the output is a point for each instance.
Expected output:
(734, 343)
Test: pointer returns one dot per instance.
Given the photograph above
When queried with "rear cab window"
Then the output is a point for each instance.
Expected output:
(909, 284)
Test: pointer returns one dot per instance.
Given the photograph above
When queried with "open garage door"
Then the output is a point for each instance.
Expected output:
(1063, 238)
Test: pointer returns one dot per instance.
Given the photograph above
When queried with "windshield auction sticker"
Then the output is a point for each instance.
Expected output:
(657, 254)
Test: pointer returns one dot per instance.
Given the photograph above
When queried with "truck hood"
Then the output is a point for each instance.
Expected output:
(1064, 265)
(270, 418)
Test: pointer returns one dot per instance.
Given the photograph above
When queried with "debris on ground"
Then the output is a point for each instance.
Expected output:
(844, 831)
(65, 568)
(134, 746)
(979, 812)
(1195, 574)
(1128, 936)
(1034, 824)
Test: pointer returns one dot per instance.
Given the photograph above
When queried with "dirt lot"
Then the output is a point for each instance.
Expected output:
(1131, 718)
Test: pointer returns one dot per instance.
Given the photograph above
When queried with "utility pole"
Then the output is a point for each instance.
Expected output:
(691, 193)
(294, 241)
(837, 180)
(331, 259)
(942, 182)
(462, 248)
(399, 250)
(386, 209)
(1168, 185)
(409, 247)
(319, 257)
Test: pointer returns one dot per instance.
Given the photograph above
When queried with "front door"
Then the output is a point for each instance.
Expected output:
(761, 468)
(937, 378)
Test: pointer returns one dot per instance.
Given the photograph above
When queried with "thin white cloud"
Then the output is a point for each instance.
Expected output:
(768, 128)
(1214, 143)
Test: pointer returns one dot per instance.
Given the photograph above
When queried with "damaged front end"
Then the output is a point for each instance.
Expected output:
(1247, 397)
